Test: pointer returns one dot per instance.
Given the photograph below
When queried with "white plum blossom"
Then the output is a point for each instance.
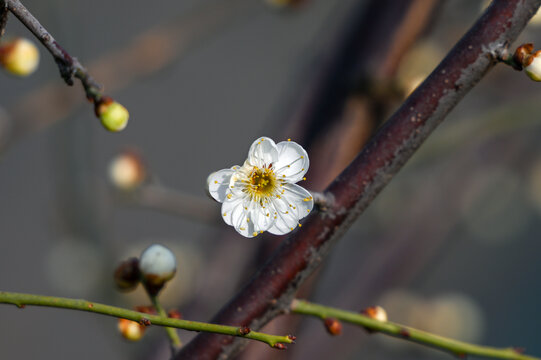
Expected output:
(262, 194)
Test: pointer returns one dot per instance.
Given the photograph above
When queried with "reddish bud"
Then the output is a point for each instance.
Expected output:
(174, 314)
(244, 330)
(333, 326)
(280, 346)
(127, 275)
(146, 309)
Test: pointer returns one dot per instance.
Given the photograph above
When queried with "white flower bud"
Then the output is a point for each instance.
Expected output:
(131, 330)
(376, 313)
(126, 171)
(19, 56)
(157, 265)
(533, 69)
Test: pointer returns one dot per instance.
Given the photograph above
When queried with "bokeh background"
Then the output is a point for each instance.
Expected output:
(450, 246)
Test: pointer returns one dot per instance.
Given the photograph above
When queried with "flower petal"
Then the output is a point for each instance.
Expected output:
(218, 183)
(292, 162)
(234, 214)
(261, 216)
(293, 204)
(263, 152)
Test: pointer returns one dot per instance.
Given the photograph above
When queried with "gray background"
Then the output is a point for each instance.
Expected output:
(470, 196)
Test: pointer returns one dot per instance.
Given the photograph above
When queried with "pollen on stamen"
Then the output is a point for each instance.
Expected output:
(224, 214)
(247, 220)
(304, 178)
(229, 196)
(242, 228)
(254, 233)
(300, 225)
(288, 139)
(215, 181)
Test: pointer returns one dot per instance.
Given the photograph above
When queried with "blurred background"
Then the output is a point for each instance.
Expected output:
(450, 246)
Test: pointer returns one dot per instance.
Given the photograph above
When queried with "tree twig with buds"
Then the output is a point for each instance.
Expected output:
(407, 333)
(69, 66)
(272, 289)
(21, 300)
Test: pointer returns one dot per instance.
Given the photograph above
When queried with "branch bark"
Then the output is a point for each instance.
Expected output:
(69, 66)
(272, 289)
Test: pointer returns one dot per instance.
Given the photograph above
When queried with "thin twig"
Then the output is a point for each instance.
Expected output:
(69, 66)
(22, 300)
(171, 332)
(272, 289)
(3, 17)
(455, 347)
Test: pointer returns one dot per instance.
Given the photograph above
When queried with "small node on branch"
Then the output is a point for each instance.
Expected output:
(127, 171)
(19, 57)
(280, 346)
(333, 326)
(157, 265)
(127, 275)
(114, 117)
(145, 321)
(244, 330)
(131, 330)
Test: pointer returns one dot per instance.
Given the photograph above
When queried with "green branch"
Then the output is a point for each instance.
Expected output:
(455, 347)
(22, 300)
(171, 332)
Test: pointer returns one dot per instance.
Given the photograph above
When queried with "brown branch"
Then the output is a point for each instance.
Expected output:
(271, 290)
(69, 66)
(3, 17)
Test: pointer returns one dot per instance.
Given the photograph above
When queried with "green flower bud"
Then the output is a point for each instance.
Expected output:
(113, 115)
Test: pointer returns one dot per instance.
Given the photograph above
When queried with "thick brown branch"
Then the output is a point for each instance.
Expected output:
(69, 66)
(273, 287)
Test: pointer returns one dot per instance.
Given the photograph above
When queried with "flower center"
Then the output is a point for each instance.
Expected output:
(262, 182)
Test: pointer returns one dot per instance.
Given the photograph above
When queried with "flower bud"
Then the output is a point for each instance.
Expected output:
(157, 265)
(114, 117)
(376, 313)
(333, 326)
(131, 330)
(127, 275)
(525, 58)
(533, 69)
(19, 56)
(127, 171)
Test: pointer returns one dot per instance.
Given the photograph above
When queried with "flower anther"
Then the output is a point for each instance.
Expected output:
(262, 194)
